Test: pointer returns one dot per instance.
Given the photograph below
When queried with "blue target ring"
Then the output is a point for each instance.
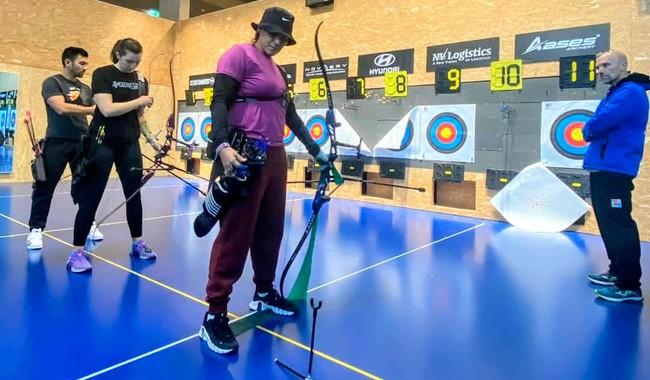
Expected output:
(566, 134)
(187, 129)
(206, 127)
(288, 136)
(447, 133)
(407, 138)
(317, 127)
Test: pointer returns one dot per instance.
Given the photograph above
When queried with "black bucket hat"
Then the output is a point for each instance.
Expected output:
(277, 20)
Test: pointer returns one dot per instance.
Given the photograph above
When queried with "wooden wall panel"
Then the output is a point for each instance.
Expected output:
(36, 32)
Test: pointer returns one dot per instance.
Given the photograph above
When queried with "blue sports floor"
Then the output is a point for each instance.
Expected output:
(406, 295)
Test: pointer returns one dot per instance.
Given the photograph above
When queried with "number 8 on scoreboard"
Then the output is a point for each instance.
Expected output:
(396, 84)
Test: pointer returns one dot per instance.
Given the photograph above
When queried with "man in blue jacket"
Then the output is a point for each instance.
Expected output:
(616, 133)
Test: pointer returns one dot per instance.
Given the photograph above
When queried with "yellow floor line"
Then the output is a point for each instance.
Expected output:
(319, 353)
(191, 297)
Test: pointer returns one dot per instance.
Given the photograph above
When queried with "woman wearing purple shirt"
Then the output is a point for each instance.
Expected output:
(250, 95)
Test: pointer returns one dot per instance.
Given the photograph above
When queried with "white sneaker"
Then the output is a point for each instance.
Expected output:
(95, 233)
(35, 239)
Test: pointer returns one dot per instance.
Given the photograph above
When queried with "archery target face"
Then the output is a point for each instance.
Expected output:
(206, 127)
(446, 133)
(11, 123)
(409, 131)
(561, 142)
(187, 129)
(288, 136)
(317, 127)
(566, 134)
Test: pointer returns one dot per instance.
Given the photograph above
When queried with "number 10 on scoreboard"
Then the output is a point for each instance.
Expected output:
(507, 75)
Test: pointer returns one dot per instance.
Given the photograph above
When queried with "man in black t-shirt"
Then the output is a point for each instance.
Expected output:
(68, 101)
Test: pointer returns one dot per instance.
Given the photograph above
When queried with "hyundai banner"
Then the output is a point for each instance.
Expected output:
(378, 64)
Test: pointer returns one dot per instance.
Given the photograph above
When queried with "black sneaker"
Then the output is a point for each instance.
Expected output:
(606, 278)
(271, 300)
(217, 333)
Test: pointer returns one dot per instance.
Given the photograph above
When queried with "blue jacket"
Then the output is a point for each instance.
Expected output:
(616, 131)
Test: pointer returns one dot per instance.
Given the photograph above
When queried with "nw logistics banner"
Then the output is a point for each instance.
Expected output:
(477, 53)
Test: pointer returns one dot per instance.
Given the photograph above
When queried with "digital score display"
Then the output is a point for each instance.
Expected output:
(448, 80)
(578, 72)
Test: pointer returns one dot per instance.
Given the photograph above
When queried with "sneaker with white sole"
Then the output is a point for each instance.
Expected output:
(35, 239)
(78, 262)
(95, 234)
(141, 250)
(273, 301)
(616, 294)
(216, 332)
(605, 279)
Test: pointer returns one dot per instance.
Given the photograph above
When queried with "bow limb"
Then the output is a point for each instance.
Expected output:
(149, 172)
(328, 174)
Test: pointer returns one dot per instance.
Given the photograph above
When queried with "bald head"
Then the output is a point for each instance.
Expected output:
(611, 66)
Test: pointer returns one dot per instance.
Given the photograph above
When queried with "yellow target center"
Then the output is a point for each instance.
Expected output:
(576, 134)
(445, 132)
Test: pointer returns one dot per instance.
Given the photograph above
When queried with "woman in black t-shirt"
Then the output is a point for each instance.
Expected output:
(121, 95)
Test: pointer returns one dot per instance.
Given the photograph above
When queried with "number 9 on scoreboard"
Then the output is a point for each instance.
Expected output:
(447, 80)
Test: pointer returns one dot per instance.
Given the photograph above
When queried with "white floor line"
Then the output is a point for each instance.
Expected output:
(394, 258)
(118, 188)
(106, 224)
(146, 354)
(124, 221)
(118, 365)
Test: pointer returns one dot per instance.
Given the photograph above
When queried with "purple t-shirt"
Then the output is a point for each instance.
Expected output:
(259, 77)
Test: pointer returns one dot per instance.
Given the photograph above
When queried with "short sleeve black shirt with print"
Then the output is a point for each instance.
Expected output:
(73, 92)
(123, 87)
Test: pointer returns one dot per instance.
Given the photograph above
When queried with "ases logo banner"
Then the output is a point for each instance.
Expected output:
(378, 64)
(463, 54)
(553, 44)
(337, 68)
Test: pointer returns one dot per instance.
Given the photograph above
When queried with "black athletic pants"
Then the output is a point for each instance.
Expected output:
(611, 197)
(128, 162)
(58, 153)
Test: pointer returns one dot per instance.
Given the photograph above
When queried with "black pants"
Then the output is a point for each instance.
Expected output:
(611, 197)
(128, 162)
(58, 153)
